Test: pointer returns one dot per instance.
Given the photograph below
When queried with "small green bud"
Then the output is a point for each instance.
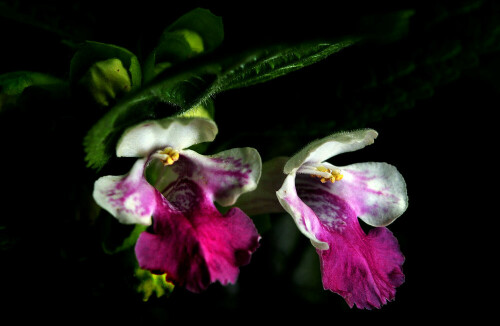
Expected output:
(195, 43)
(193, 39)
(105, 80)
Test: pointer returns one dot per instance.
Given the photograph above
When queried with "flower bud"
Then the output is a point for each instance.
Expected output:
(106, 80)
(193, 39)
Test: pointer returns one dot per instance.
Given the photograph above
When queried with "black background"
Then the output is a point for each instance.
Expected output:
(437, 128)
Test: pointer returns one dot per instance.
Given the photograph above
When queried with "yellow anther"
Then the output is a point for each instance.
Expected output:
(334, 175)
(322, 169)
(168, 156)
(175, 155)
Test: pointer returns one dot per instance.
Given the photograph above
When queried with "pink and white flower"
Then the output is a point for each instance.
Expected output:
(325, 202)
(174, 188)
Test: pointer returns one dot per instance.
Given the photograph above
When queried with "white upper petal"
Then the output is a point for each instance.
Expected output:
(178, 133)
(322, 149)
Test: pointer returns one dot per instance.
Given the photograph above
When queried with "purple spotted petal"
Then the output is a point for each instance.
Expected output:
(376, 192)
(129, 198)
(306, 220)
(364, 269)
(225, 175)
(193, 242)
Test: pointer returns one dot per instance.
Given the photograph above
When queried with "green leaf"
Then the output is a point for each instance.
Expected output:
(278, 62)
(188, 86)
(92, 52)
(14, 83)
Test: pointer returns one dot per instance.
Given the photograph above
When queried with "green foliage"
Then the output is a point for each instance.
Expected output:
(271, 63)
(13, 84)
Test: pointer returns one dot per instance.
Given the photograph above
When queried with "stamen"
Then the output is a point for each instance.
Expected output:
(334, 174)
(168, 156)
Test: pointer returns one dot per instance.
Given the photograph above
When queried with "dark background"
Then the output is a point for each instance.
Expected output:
(429, 87)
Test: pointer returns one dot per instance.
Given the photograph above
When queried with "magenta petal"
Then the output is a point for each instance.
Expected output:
(173, 249)
(193, 242)
(365, 273)
(364, 269)
(228, 242)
